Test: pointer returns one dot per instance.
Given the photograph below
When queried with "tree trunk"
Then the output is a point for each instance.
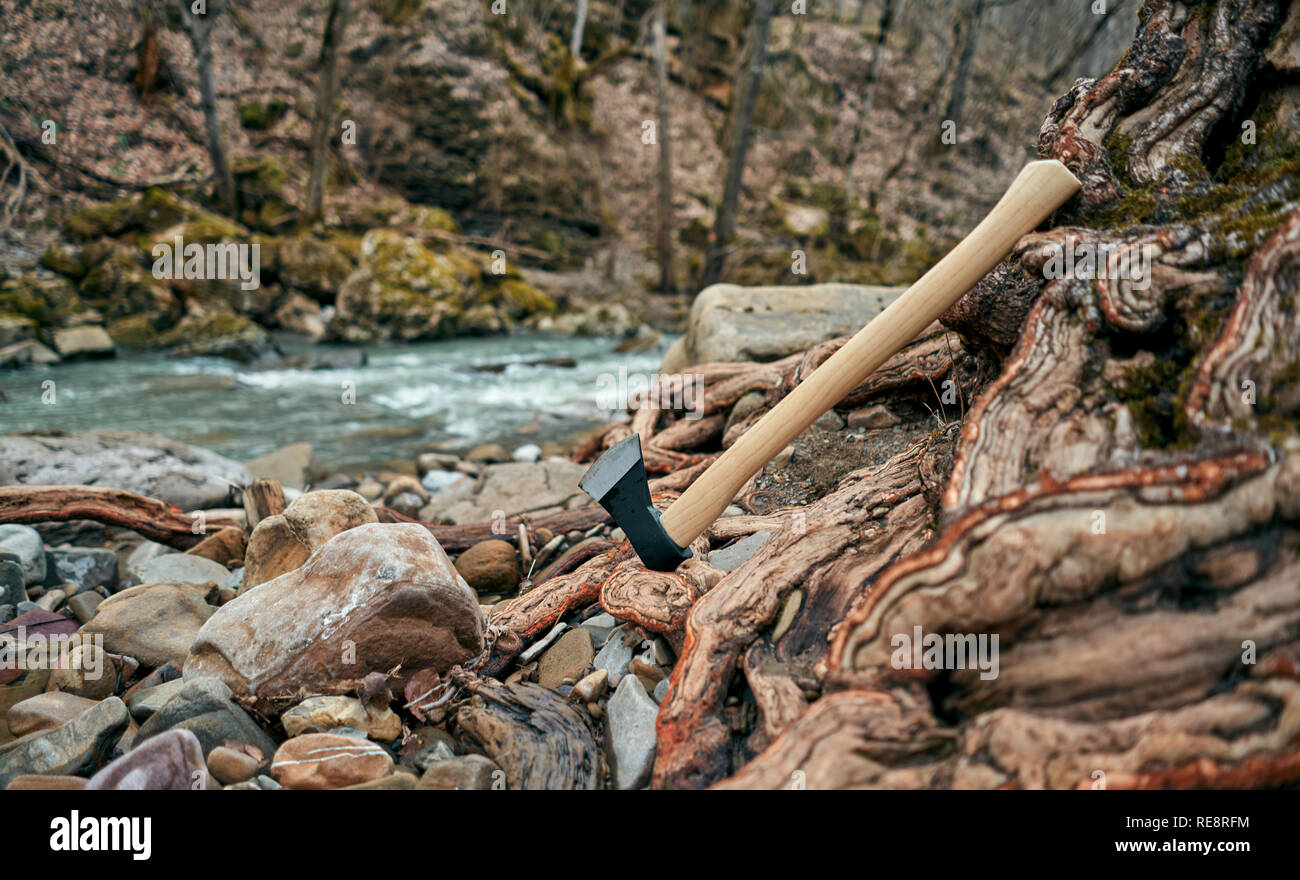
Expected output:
(579, 25)
(957, 100)
(200, 30)
(667, 279)
(724, 228)
(326, 94)
(868, 96)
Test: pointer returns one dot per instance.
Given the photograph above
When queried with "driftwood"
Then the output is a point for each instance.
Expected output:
(262, 499)
(454, 539)
(532, 733)
(151, 518)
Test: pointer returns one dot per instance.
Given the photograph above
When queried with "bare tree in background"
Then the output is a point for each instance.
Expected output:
(579, 25)
(667, 279)
(326, 94)
(741, 134)
(957, 101)
(887, 10)
(200, 30)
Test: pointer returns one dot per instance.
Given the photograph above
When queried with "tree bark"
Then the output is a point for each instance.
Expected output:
(663, 126)
(970, 39)
(742, 130)
(200, 30)
(326, 95)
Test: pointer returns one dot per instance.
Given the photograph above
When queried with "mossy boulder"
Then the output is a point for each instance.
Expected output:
(313, 266)
(49, 302)
(62, 261)
(119, 287)
(403, 290)
(519, 299)
(133, 331)
(15, 328)
(153, 210)
(220, 335)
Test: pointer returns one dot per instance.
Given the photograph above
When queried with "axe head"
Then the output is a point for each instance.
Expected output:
(617, 480)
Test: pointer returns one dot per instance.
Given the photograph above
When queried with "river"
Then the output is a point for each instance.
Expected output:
(404, 398)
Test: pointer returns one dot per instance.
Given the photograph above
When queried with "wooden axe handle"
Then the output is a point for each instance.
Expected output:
(1039, 189)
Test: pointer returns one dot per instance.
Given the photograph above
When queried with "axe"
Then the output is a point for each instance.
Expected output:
(618, 479)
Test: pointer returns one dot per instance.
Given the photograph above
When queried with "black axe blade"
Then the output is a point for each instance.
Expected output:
(617, 480)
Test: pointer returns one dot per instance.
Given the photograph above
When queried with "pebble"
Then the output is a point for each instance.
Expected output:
(83, 605)
(464, 773)
(52, 599)
(527, 452)
(172, 761)
(87, 567)
(145, 701)
(600, 627)
(327, 761)
(92, 672)
(40, 782)
(13, 583)
(490, 567)
(735, 555)
(45, 712)
(395, 781)
(592, 687)
(204, 706)
(229, 765)
(180, 568)
(76, 747)
(26, 544)
(660, 691)
(156, 622)
(631, 729)
(786, 614)
(322, 714)
(615, 656)
(567, 659)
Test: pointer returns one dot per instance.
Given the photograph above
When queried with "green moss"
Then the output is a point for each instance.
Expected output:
(210, 329)
(396, 12)
(259, 116)
(133, 331)
(521, 299)
(96, 221)
(61, 260)
(50, 302)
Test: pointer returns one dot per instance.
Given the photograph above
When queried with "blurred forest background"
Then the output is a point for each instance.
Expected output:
(814, 125)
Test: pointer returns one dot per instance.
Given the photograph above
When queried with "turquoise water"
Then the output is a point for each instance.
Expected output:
(404, 398)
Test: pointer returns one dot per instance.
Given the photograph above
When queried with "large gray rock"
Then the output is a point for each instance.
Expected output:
(734, 323)
(185, 476)
(287, 465)
(512, 488)
(25, 543)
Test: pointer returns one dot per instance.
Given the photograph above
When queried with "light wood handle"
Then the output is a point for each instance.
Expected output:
(1039, 189)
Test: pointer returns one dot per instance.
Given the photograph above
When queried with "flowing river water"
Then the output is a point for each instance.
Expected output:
(405, 397)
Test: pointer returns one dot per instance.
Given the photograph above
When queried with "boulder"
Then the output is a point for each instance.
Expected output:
(82, 342)
(171, 761)
(185, 476)
(28, 353)
(13, 581)
(25, 543)
(372, 598)
(328, 761)
(287, 465)
(511, 488)
(155, 623)
(729, 322)
(282, 543)
(221, 335)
